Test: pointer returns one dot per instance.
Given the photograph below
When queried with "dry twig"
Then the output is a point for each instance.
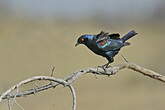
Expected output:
(53, 82)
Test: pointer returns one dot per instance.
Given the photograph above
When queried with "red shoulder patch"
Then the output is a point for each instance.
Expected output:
(103, 42)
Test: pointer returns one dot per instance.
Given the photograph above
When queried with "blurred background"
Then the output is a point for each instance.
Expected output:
(36, 34)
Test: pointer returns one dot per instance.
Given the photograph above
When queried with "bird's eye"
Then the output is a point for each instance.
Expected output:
(82, 40)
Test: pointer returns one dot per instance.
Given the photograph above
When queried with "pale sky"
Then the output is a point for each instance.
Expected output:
(74, 8)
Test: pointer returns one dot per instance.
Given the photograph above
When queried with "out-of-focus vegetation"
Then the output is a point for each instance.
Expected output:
(29, 47)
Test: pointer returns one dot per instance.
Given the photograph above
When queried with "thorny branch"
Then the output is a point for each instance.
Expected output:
(67, 81)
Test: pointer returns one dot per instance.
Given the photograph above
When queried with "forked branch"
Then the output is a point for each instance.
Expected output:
(53, 82)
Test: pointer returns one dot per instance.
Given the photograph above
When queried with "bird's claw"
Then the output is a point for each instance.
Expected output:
(104, 67)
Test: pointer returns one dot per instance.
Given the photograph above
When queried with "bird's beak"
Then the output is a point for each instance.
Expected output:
(76, 44)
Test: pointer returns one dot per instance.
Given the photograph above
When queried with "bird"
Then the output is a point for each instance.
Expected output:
(105, 44)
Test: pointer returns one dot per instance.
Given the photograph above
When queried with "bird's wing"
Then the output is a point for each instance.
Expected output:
(108, 42)
(104, 36)
(109, 45)
(101, 36)
(114, 36)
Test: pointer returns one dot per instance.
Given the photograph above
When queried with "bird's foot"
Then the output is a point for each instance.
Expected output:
(104, 66)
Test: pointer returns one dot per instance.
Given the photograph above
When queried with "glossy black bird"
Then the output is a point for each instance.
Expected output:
(105, 44)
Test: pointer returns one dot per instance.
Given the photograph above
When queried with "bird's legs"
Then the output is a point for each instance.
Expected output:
(110, 60)
(104, 66)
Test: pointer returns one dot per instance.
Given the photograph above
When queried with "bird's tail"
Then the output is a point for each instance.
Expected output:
(128, 35)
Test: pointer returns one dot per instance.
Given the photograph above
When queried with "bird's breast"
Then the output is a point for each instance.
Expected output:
(94, 48)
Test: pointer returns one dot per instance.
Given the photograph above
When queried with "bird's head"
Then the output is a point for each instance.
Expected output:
(84, 39)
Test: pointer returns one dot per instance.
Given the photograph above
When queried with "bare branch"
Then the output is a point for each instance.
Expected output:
(8, 95)
(53, 82)
(53, 68)
(73, 96)
(146, 72)
(8, 104)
